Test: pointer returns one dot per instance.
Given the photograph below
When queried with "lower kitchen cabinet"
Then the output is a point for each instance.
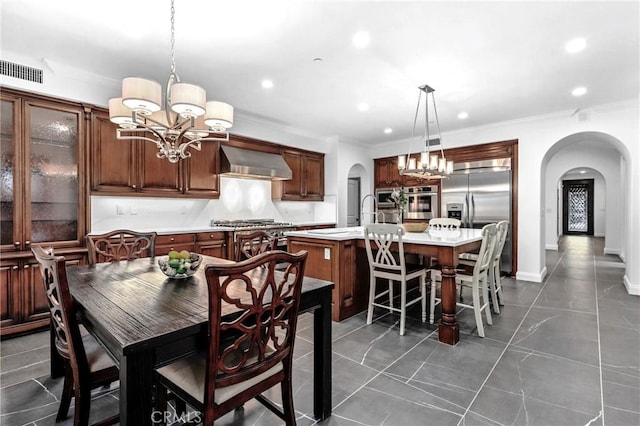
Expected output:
(23, 300)
(212, 244)
(177, 242)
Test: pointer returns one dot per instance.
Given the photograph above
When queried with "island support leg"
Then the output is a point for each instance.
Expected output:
(449, 330)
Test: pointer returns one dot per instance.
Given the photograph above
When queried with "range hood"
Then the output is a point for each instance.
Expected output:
(245, 163)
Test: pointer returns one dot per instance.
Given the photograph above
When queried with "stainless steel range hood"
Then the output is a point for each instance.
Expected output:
(245, 163)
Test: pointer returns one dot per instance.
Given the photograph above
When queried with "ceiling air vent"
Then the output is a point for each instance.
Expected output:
(22, 72)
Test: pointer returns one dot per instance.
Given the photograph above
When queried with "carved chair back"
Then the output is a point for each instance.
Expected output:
(122, 244)
(252, 244)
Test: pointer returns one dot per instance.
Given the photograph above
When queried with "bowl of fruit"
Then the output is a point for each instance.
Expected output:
(179, 265)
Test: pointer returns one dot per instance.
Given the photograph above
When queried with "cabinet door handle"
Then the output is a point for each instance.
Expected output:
(16, 243)
(133, 186)
(26, 243)
(172, 239)
(14, 267)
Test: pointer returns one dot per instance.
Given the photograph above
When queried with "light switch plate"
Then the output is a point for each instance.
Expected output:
(327, 253)
(119, 209)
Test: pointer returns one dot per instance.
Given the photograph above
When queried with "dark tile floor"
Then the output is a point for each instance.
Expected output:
(562, 352)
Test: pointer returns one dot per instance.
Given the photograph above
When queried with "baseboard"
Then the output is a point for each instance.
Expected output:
(533, 277)
(553, 247)
(631, 289)
(612, 251)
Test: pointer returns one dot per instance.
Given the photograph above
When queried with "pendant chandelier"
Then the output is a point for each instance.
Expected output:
(186, 120)
(430, 165)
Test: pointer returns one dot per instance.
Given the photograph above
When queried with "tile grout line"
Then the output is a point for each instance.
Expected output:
(546, 281)
(595, 289)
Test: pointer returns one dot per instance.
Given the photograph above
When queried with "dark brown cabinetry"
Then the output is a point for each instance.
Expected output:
(132, 168)
(307, 183)
(177, 242)
(212, 244)
(386, 173)
(42, 198)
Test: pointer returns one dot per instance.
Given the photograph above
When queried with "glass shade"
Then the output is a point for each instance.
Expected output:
(402, 162)
(158, 120)
(199, 130)
(141, 95)
(188, 100)
(433, 165)
(449, 167)
(424, 159)
(442, 165)
(219, 115)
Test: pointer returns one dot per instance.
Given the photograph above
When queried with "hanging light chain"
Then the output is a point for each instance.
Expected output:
(173, 38)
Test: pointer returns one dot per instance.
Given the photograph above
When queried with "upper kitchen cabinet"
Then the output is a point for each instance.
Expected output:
(202, 170)
(307, 183)
(124, 167)
(43, 196)
(386, 173)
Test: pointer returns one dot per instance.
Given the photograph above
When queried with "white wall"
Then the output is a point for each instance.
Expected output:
(349, 155)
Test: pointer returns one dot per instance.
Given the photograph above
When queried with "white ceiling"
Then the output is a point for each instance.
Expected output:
(495, 60)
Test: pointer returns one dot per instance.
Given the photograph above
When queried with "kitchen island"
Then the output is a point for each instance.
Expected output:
(339, 255)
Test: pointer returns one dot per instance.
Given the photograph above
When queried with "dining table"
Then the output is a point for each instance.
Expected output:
(146, 320)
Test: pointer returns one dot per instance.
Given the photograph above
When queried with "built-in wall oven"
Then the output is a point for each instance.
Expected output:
(422, 202)
(383, 198)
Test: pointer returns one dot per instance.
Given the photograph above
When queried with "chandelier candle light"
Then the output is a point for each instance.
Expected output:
(186, 120)
(430, 165)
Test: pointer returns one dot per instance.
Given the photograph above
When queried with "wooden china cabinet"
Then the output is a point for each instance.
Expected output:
(42, 199)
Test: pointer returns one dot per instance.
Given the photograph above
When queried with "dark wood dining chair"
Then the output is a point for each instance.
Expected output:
(122, 244)
(86, 365)
(250, 348)
(250, 245)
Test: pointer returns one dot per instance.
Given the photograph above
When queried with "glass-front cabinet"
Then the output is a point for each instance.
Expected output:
(41, 199)
(41, 150)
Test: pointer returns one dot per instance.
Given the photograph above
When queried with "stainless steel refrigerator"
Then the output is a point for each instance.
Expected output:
(480, 193)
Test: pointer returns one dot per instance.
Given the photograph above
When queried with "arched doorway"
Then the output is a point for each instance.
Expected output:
(604, 159)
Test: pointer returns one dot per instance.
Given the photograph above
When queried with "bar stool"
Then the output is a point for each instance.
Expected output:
(477, 281)
(383, 264)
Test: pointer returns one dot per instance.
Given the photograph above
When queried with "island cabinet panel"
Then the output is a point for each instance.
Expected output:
(335, 261)
(177, 242)
(212, 244)
(307, 183)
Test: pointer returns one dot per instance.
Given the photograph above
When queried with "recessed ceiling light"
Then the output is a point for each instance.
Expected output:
(267, 84)
(363, 106)
(388, 130)
(579, 91)
(463, 115)
(361, 39)
(575, 45)
(317, 60)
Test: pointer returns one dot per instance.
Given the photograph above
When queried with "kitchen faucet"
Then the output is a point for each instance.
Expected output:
(374, 213)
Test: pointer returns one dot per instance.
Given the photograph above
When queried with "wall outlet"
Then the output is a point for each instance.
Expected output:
(119, 209)
(327, 253)
(134, 210)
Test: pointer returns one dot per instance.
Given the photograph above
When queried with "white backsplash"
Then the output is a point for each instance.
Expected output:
(239, 199)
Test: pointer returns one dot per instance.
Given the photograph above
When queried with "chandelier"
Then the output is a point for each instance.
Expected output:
(430, 165)
(186, 120)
